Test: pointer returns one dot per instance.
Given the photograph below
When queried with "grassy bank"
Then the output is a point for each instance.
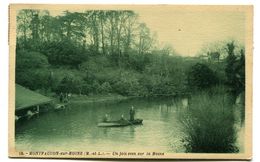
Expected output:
(209, 124)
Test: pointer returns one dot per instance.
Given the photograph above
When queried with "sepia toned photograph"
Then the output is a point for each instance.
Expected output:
(130, 81)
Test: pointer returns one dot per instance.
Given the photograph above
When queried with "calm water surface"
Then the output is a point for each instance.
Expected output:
(75, 129)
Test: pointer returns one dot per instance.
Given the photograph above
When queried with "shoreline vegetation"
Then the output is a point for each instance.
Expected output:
(103, 56)
(210, 122)
(97, 98)
(110, 98)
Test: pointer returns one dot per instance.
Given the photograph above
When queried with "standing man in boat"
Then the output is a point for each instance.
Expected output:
(132, 114)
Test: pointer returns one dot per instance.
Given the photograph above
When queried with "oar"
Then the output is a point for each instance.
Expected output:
(130, 122)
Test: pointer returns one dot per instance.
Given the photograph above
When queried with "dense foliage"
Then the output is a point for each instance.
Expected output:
(103, 52)
(235, 70)
(201, 77)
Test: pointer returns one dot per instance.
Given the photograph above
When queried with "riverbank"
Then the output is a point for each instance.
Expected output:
(97, 98)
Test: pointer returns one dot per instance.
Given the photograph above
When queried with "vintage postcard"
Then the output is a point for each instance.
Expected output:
(130, 81)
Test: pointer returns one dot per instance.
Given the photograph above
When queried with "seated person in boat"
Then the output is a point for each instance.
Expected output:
(132, 114)
(106, 118)
(122, 119)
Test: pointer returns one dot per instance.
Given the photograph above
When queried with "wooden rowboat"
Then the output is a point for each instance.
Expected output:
(120, 123)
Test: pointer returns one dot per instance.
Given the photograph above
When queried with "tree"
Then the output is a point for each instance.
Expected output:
(201, 77)
(23, 27)
(213, 56)
(235, 71)
(241, 70)
(129, 31)
(72, 26)
(35, 23)
(231, 67)
(30, 60)
(65, 52)
(102, 17)
(93, 29)
(31, 69)
(145, 40)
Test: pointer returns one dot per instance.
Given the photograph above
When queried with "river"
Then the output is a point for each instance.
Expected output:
(75, 129)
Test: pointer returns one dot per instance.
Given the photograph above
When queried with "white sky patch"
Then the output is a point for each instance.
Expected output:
(188, 32)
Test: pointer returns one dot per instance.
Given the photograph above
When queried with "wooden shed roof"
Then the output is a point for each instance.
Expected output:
(25, 98)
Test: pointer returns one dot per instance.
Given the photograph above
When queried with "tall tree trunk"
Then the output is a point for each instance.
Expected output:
(102, 34)
(112, 36)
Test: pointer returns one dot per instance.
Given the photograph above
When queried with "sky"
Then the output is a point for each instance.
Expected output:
(188, 32)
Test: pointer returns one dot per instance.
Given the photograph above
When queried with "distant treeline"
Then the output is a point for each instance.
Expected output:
(103, 52)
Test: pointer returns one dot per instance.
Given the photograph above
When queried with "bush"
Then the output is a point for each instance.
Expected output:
(30, 60)
(71, 83)
(104, 88)
(31, 70)
(138, 62)
(126, 83)
(209, 124)
(200, 77)
(64, 53)
(34, 79)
